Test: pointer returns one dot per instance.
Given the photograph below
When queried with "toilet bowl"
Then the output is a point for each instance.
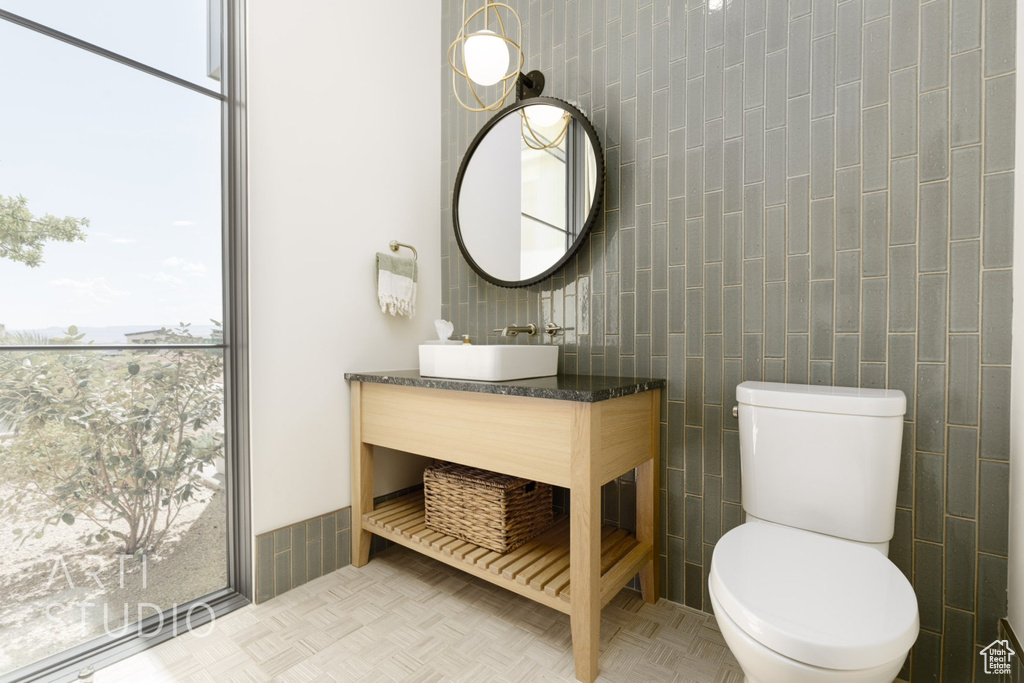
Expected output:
(804, 591)
(771, 667)
(799, 607)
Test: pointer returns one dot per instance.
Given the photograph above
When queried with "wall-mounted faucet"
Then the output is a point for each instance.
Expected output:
(515, 329)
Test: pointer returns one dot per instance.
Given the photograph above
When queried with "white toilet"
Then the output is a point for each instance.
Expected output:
(804, 590)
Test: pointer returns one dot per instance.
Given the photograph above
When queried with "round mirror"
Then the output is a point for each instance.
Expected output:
(528, 191)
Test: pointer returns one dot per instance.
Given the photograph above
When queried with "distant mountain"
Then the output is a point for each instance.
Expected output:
(112, 335)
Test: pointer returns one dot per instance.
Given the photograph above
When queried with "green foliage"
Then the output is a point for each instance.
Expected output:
(22, 235)
(116, 438)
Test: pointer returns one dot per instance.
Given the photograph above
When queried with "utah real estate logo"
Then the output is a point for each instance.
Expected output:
(997, 657)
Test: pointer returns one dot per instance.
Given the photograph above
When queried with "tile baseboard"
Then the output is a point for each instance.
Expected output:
(1006, 633)
(293, 555)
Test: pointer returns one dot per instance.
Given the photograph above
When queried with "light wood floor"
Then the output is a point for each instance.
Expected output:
(405, 617)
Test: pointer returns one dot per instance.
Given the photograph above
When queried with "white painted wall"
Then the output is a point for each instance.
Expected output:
(344, 117)
(1016, 560)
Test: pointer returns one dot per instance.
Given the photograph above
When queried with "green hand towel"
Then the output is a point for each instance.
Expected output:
(396, 285)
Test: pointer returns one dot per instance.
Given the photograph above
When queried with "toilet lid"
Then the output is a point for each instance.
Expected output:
(816, 599)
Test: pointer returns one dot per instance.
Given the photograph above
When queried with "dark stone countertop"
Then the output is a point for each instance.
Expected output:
(584, 389)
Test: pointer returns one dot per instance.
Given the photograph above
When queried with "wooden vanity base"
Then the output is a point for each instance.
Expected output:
(575, 567)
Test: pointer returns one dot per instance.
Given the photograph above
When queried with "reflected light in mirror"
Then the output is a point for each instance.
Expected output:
(544, 126)
(544, 115)
(486, 56)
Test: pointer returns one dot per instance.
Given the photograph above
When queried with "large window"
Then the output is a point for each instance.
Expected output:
(119, 326)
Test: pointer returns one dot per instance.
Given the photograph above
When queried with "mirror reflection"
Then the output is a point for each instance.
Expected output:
(527, 191)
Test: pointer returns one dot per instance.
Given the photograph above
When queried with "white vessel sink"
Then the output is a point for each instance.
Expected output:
(488, 363)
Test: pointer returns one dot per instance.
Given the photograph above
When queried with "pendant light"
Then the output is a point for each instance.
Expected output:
(488, 52)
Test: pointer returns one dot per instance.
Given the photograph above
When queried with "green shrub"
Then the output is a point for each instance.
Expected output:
(116, 438)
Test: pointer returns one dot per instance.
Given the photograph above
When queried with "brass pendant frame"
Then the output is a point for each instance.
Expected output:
(457, 54)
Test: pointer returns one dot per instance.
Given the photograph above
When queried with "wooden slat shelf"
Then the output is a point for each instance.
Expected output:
(538, 570)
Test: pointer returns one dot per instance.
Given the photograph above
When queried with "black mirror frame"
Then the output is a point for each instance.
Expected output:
(595, 209)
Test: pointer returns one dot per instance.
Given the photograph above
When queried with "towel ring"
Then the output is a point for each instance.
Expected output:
(395, 244)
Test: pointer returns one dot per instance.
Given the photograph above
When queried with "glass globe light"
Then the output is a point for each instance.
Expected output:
(486, 57)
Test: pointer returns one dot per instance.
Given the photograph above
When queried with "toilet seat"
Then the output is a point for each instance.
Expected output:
(813, 598)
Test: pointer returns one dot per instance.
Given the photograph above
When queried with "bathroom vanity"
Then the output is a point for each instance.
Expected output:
(578, 433)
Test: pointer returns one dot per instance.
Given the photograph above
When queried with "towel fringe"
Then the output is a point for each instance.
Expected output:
(389, 303)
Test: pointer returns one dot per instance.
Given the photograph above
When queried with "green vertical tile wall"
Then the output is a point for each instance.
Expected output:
(797, 191)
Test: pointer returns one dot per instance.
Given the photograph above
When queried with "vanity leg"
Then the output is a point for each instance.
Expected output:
(585, 544)
(648, 508)
(362, 483)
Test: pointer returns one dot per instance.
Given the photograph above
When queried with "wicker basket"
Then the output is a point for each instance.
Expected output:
(495, 511)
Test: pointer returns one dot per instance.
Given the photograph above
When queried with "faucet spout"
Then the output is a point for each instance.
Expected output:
(515, 329)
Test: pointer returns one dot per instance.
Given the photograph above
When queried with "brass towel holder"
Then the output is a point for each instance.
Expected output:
(395, 244)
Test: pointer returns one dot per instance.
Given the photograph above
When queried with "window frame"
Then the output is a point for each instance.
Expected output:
(105, 650)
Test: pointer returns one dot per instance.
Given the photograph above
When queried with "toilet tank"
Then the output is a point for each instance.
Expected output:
(824, 459)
